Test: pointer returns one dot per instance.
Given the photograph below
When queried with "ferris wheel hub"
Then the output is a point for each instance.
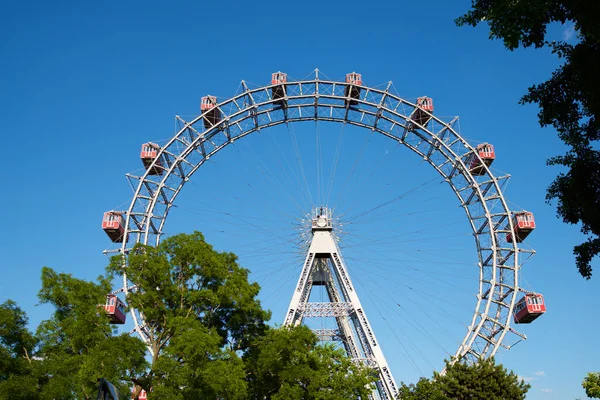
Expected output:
(322, 219)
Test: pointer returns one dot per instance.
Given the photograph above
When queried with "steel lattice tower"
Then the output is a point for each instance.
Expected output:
(324, 266)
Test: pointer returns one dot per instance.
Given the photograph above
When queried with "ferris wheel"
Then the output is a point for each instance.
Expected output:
(500, 300)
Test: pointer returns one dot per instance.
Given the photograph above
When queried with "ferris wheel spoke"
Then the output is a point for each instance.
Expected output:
(352, 173)
(269, 175)
(414, 322)
(391, 201)
(412, 287)
(369, 294)
(299, 180)
(424, 276)
(334, 166)
(297, 155)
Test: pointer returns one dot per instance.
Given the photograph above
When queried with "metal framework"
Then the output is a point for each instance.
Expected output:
(324, 266)
(375, 109)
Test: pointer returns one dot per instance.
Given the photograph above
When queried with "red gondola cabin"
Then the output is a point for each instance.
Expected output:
(352, 91)
(278, 78)
(115, 308)
(278, 92)
(141, 396)
(523, 224)
(148, 154)
(486, 153)
(529, 308)
(113, 225)
(212, 117)
(422, 112)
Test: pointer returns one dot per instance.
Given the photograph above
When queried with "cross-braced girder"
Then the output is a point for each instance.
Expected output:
(324, 266)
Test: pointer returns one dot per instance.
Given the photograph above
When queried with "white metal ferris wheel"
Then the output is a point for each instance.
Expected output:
(498, 231)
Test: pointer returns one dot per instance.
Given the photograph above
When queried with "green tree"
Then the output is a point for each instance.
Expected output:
(208, 335)
(17, 363)
(288, 364)
(201, 314)
(569, 101)
(591, 384)
(482, 380)
(424, 389)
(77, 345)
(203, 320)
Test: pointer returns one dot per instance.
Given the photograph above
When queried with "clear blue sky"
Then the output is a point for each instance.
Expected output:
(83, 85)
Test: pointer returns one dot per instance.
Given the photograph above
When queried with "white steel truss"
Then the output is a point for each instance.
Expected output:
(324, 266)
(376, 109)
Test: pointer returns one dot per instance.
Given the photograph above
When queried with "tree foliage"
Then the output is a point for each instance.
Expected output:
(288, 364)
(591, 384)
(17, 378)
(200, 311)
(205, 326)
(569, 101)
(71, 350)
(208, 334)
(78, 345)
(424, 389)
(482, 380)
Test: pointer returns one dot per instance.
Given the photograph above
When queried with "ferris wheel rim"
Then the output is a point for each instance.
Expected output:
(379, 110)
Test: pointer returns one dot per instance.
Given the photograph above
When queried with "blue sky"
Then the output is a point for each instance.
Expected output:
(83, 85)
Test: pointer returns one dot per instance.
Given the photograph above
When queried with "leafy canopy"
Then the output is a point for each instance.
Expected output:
(208, 336)
(206, 330)
(424, 389)
(71, 350)
(77, 345)
(482, 380)
(569, 101)
(17, 379)
(200, 313)
(288, 364)
(591, 384)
